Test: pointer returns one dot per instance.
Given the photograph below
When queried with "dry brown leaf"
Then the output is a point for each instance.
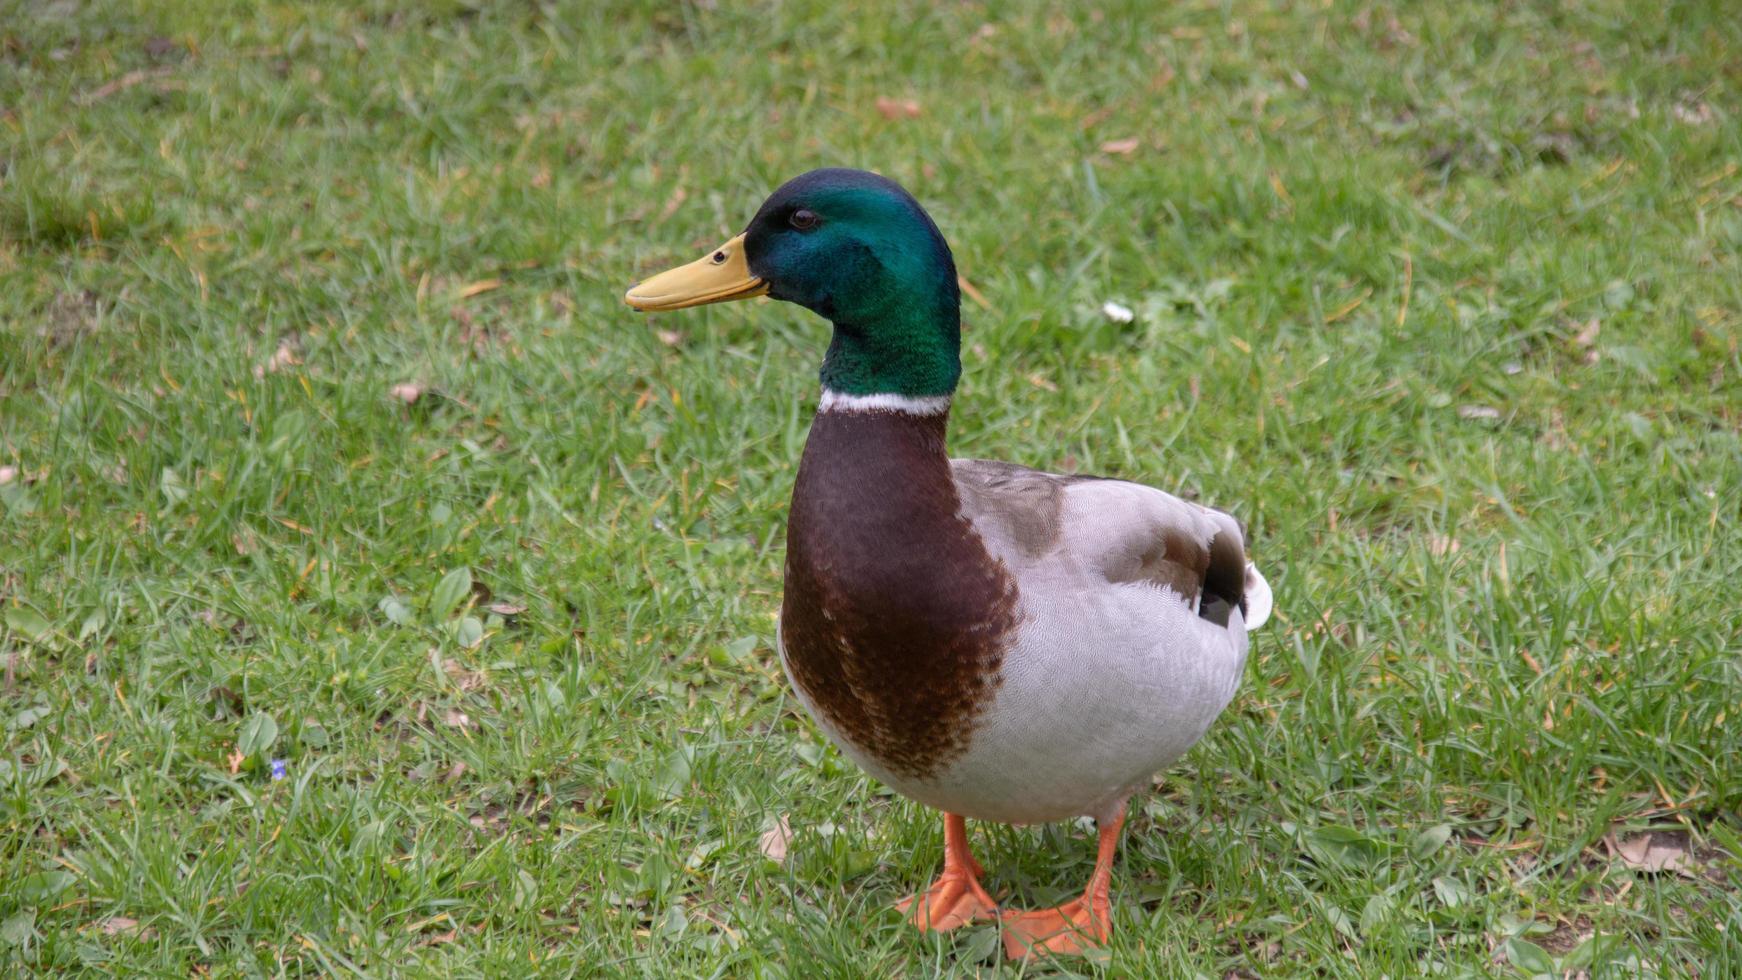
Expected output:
(235, 760)
(283, 357)
(455, 718)
(1124, 147)
(774, 841)
(115, 925)
(973, 293)
(1478, 412)
(672, 203)
(481, 286)
(897, 108)
(1694, 113)
(1097, 117)
(465, 680)
(407, 391)
(502, 608)
(121, 84)
(1588, 331)
(1652, 853)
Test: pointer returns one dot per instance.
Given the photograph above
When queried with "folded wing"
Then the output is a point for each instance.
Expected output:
(1121, 531)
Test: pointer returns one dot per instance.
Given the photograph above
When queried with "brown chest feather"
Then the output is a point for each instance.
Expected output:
(894, 613)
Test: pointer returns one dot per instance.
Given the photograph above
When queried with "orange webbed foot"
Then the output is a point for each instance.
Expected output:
(1071, 929)
(956, 898)
(1078, 925)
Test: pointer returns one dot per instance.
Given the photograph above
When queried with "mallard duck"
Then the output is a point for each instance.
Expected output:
(993, 641)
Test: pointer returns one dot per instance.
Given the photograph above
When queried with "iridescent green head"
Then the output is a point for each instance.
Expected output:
(857, 249)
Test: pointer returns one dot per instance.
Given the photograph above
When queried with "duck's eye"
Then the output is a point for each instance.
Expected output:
(804, 220)
(719, 257)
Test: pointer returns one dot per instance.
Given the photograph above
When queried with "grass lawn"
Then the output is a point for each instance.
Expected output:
(326, 438)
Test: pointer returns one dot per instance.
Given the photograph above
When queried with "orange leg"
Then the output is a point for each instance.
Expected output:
(956, 898)
(1078, 924)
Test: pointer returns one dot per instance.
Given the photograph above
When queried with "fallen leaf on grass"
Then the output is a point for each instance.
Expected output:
(1694, 113)
(118, 924)
(1652, 853)
(775, 840)
(8, 474)
(407, 391)
(1440, 545)
(482, 286)
(1478, 412)
(455, 718)
(897, 108)
(502, 608)
(466, 680)
(973, 293)
(1124, 147)
(1586, 337)
(121, 84)
(158, 46)
(124, 926)
(283, 357)
(1348, 308)
(1117, 312)
(672, 203)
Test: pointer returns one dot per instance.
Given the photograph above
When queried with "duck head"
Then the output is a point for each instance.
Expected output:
(856, 249)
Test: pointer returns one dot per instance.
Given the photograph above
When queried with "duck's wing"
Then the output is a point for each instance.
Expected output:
(1117, 532)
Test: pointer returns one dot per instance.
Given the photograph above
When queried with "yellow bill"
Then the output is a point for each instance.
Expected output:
(721, 275)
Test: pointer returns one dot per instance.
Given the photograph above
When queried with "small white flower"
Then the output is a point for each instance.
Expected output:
(1117, 312)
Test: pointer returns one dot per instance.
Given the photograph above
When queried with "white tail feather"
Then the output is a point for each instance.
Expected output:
(1258, 601)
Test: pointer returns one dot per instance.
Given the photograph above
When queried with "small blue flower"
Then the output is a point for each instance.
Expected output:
(278, 766)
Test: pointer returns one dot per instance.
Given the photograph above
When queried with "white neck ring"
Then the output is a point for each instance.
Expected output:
(835, 401)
